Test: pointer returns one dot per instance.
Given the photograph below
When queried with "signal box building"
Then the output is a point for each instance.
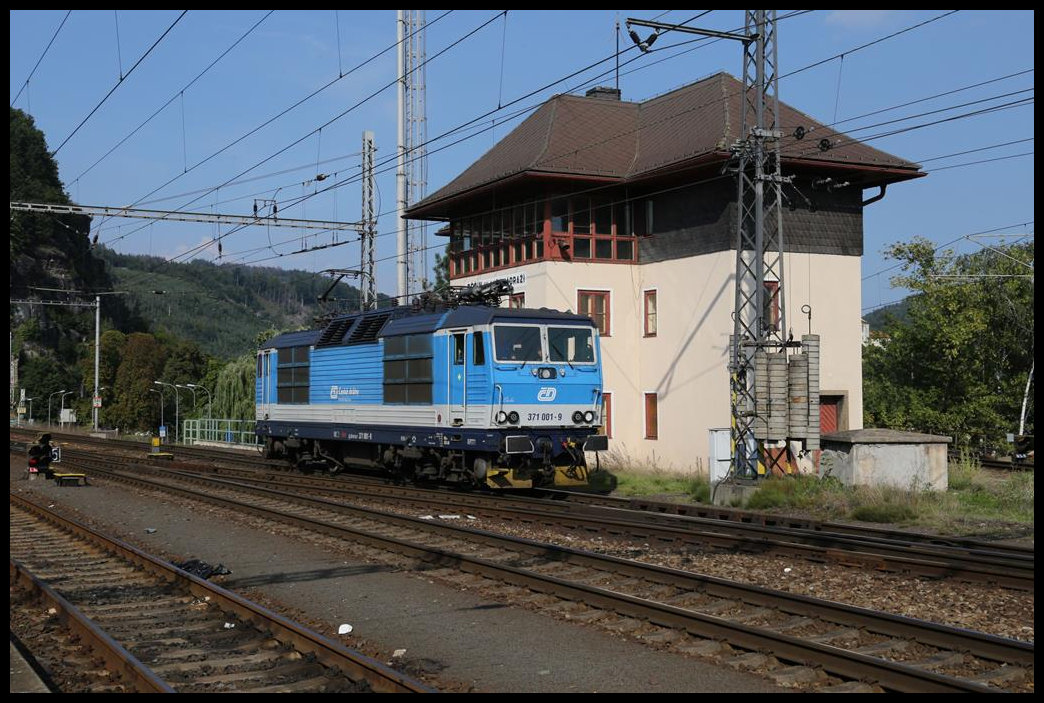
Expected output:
(621, 211)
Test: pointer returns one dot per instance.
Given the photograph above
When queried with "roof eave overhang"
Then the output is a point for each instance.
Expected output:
(868, 175)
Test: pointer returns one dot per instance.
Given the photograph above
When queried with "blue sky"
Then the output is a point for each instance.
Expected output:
(206, 130)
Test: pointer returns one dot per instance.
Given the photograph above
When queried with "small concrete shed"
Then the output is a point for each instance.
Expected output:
(874, 457)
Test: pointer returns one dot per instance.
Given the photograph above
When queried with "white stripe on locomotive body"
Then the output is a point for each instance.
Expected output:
(478, 416)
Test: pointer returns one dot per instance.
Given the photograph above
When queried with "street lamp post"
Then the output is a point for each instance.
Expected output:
(179, 385)
(61, 422)
(189, 387)
(96, 405)
(177, 411)
(49, 405)
(160, 391)
(203, 388)
(97, 355)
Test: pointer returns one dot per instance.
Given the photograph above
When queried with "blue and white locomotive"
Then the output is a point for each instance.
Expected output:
(473, 395)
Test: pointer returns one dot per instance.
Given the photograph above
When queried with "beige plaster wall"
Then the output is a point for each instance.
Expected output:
(685, 364)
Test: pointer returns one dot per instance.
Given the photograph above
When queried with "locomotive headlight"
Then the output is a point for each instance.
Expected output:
(513, 417)
(546, 373)
(578, 417)
(501, 417)
(589, 417)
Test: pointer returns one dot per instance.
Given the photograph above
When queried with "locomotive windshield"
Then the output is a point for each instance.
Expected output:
(517, 343)
(574, 345)
(525, 343)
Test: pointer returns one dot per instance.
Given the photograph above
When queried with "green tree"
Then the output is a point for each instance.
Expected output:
(442, 271)
(234, 389)
(52, 251)
(142, 363)
(112, 342)
(41, 376)
(958, 364)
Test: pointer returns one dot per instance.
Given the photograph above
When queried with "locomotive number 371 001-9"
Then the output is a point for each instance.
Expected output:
(543, 417)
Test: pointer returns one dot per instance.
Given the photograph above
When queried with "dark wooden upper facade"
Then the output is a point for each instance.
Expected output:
(600, 180)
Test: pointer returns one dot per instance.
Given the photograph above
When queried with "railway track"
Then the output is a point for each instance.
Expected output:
(115, 619)
(865, 532)
(1007, 566)
(821, 644)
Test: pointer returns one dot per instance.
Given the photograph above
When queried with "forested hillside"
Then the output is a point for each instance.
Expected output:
(222, 307)
(165, 327)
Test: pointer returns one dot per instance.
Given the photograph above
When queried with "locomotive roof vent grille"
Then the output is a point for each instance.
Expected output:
(368, 329)
(334, 332)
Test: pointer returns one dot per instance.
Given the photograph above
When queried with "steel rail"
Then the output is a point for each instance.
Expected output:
(891, 675)
(328, 652)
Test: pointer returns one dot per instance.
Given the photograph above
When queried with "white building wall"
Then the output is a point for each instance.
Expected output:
(685, 364)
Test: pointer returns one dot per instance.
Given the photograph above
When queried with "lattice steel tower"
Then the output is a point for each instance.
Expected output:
(368, 229)
(760, 378)
(758, 341)
(412, 172)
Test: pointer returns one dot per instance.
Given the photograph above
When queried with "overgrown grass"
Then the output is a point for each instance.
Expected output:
(977, 501)
(648, 483)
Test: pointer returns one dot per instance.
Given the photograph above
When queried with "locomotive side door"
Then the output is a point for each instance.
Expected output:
(265, 385)
(458, 381)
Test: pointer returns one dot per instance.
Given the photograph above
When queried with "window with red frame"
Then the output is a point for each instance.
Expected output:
(595, 304)
(650, 313)
(652, 430)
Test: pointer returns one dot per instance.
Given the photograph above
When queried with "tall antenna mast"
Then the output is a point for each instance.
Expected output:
(412, 173)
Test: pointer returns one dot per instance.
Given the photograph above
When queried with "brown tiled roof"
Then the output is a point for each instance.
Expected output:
(609, 139)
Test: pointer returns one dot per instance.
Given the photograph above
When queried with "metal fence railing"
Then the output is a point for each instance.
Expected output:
(219, 431)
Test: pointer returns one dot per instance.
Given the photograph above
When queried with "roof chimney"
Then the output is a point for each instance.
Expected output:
(604, 93)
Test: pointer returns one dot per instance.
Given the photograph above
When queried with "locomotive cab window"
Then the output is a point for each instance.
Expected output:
(458, 349)
(517, 343)
(574, 345)
(479, 352)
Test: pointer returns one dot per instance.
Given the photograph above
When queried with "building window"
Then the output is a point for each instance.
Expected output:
(292, 374)
(517, 300)
(560, 215)
(585, 228)
(651, 421)
(650, 313)
(643, 217)
(602, 211)
(581, 216)
(407, 369)
(770, 306)
(595, 304)
(607, 416)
